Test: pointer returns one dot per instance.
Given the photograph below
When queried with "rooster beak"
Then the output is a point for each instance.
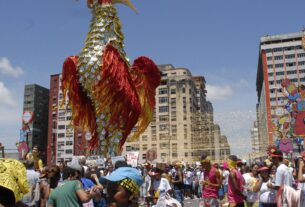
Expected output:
(127, 3)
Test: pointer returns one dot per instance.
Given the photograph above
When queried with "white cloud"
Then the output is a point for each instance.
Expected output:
(215, 93)
(242, 83)
(6, 68)
(6, 96)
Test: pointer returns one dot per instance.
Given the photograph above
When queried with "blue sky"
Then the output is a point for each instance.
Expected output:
(217, 39)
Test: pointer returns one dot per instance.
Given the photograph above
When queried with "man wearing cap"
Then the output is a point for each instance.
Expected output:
(123, 187)
(235, 184)
(212, 182)
(283, 176)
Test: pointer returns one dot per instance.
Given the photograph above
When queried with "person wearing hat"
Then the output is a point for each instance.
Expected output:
(177, 182)
(123, 187)
(71, 192)
(158, 186)
(267, 196)
(211, 183)
(235, 184)
(283, 175)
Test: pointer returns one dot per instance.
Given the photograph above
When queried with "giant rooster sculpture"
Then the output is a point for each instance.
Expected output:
(109, 98)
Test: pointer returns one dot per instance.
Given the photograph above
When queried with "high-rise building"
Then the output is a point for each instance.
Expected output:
(63, 140)
(255, 138)
(36, 100)
(280, 57)
(180, 129)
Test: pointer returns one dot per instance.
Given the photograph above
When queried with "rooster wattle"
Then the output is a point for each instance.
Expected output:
(109, 97)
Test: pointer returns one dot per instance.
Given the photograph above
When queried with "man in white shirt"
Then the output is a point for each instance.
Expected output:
(158, 186)
(283, 175)
(32, 177)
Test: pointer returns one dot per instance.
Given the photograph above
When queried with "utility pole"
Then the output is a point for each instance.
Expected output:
(2, 150)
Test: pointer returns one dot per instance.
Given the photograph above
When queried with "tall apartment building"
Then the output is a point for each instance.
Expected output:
(63, 140)
(255, 138)
(36, 101)
(180, 127)
(280, 57)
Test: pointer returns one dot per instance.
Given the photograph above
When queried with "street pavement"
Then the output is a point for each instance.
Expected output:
(187, 203)
(191, 202)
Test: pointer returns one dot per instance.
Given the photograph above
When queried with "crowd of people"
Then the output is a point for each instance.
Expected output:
(274, 182)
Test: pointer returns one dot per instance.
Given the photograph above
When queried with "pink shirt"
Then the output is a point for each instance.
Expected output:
(210, 191)
(232, 196)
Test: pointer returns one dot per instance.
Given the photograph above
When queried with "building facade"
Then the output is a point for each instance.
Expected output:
(181, 126)
(280, 57)
(63, 141)
(255, 138)
(36, 100)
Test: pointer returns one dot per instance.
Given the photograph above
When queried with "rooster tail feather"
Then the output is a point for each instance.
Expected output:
(146, 77)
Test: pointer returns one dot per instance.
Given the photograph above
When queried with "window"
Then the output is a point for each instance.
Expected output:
(174, 155)
(174, 129)
(163, 109)
(278, 49)
(163, 127)
(186, 154)
(162, 90)
(173, 91)
(61, 126)
(143, 156)
(61, 135)
(163, 155)
(163, 136)
(174, 146)
(290, 56)
(163, 100)
(278, 57)
(69, 151)
(69, 143)
(144, 137)
(291, 72)
(301, 55)
(173, 101)
(61, 118)
(269, 58)
(164, 145)
(289, 48)
(172, 82)
(183, 90)
(279, 73)
(144, 147)
(163, 118)
(302, 63)
(270, 74)
(279, 65)
(290, 64)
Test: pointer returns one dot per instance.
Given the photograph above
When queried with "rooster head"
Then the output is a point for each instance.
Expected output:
(128, 3)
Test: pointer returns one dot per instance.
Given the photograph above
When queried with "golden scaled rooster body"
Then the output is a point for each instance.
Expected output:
(108, 97)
